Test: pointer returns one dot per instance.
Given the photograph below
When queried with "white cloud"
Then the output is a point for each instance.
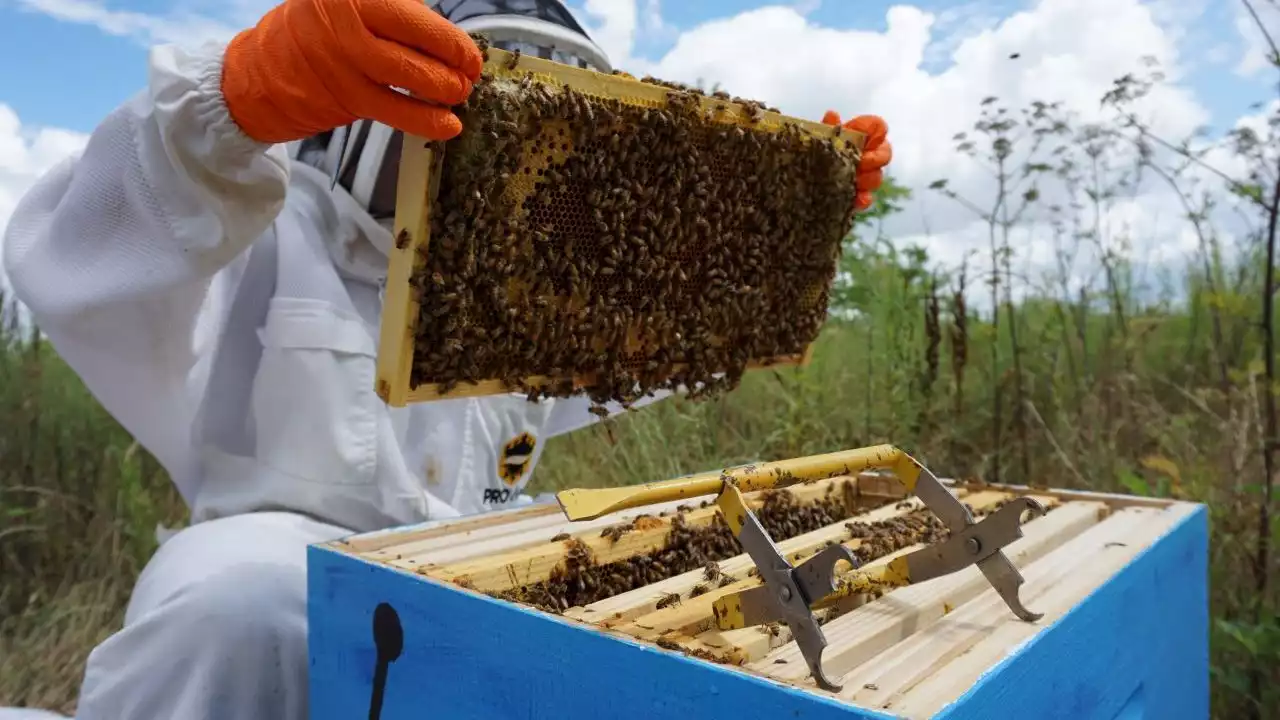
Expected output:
(25, 154)
(1068, 51)
(613, 25)
(143, 28)
(1256, 47)
(925, 73)
(805, 7)
(953, 24)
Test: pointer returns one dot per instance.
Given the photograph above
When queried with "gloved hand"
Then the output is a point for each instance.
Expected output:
(310, 66)
(875, 154)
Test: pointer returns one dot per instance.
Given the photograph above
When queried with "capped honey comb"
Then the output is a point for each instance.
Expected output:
(598, 234)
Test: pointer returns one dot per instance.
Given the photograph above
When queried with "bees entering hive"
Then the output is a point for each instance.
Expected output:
(591, 233)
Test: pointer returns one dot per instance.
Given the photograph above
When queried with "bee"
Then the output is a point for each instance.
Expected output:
(514, 59)
(561, 536)
(615, 532)
(668, 600)
(772, 629)
(666, 644)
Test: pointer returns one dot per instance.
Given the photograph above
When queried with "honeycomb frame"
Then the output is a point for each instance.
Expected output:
(419, 185)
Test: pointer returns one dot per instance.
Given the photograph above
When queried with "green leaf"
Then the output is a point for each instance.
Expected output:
(1240, 633)
(1134, 483)
(1249, 192)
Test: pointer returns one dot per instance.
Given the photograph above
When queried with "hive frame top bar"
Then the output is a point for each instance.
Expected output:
(420, 168)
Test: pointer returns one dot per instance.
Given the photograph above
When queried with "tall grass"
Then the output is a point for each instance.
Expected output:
(1067, 384)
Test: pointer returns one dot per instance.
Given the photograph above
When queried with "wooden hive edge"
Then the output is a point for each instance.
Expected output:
(957, 666)
(929, 660)
(874, 484)
(407, 540)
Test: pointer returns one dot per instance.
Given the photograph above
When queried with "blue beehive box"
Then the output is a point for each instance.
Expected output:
(506, 616)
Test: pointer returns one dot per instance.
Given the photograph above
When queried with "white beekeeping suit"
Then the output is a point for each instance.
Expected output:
(222, 301)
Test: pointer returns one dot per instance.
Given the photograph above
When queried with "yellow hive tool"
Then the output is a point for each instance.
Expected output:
(789, 594)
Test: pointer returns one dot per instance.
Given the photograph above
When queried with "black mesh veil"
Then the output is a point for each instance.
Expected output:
(550, 10)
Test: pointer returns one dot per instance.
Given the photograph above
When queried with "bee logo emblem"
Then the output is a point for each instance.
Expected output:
(516, 456)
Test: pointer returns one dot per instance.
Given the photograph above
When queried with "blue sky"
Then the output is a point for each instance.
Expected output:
(67, 73)
(923, 65)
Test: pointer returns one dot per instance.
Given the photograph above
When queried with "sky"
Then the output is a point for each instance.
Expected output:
(923, 66)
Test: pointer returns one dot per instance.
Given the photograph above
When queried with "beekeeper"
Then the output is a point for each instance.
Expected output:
(220, 297)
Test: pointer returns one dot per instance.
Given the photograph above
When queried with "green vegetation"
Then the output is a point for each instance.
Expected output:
(1080, 385)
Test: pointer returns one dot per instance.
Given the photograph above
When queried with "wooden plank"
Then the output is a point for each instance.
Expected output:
(881, 677)
(530, 565)
(418, 171)
(1114, 501)
(860, 635)
(750, 644)
(419, 540)
(498, 537)
(395, 537)
(476, 541)
(870, 487)
(1001, 635)
(626, 606)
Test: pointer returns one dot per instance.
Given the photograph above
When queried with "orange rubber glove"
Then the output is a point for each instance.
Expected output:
(876, 154)
(310, 66)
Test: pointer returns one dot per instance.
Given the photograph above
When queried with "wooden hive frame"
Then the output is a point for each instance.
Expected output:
(419, 184)
(912, 652)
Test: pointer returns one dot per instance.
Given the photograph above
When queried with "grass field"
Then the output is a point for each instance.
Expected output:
(1079, 386)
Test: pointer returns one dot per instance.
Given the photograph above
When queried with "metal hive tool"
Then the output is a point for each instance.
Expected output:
(790, 594)
(593, 233)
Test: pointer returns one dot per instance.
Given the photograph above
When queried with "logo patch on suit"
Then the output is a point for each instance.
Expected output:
(515, 459)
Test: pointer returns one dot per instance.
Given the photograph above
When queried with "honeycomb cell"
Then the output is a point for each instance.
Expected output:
(625, 244)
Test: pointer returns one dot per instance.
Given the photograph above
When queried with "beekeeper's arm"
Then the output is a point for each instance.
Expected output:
(117, 252)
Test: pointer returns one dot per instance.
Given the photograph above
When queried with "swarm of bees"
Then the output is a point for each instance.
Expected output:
(887, 536)
(618, 249)
(580, 580)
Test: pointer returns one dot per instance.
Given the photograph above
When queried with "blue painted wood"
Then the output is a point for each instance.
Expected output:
(1136, 649)
(469, 656)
